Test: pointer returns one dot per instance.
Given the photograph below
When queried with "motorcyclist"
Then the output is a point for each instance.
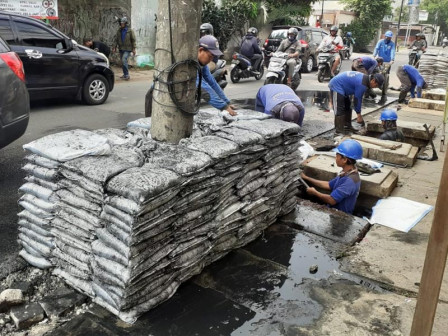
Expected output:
(292, 47)
(445, 42)
(251, 49)
(420, 45)
(333, 42)
(391, 131)
(349, 41)
(205, 29)
(385, 48)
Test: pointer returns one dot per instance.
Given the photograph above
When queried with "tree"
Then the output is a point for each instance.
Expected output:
(369, 15)
(288, 12)
(438, 13)
(404, 14)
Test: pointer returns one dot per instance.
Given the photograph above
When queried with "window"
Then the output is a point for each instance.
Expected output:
(33, 35)
(5, 30)
(279, 34)
(317, 37)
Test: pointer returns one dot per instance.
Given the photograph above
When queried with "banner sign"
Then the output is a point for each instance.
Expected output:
(39, 9)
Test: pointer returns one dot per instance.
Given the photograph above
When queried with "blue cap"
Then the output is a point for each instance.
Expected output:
(210, 43)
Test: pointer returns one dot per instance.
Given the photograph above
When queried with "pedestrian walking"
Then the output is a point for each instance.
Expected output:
(344, 188)
(125, 41)
(281, 102)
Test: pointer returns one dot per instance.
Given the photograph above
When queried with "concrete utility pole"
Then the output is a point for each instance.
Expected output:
(177, 40)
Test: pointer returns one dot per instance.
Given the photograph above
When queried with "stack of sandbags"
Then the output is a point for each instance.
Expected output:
(433, 66)
(189, 205)
(40, 200)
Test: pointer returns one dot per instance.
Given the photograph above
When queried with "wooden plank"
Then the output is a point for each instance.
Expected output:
(435, 261)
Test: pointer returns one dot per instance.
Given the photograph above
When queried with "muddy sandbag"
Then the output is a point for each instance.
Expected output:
(42, 161)
(217, 148)
(83, 182)
(69, 145)
(41, 172)
(245, 114)
(143, 183)
(78, 202)
(39, 192)
(240, 136)
(35, 210)
(77, 283)
(52, 185)
(115, 136)
(181, 160)
(101, 169)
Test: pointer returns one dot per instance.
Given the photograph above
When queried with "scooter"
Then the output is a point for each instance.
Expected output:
(242, 68)
(219, 73)
(278, 70)
(345, 52)
(444, 43)
(325, 63)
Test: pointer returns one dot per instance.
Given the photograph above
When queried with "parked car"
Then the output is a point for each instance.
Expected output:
(54, 64)
(310, 37)
(14, 99)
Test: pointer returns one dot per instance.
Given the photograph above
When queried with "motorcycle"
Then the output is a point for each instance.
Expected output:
(413, 59)
(444, 43)
(219, 73)
(326, 59)
(278, 70)
(242, 68)
(345, 52)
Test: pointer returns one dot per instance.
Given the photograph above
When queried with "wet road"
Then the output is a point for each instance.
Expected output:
(126, 103)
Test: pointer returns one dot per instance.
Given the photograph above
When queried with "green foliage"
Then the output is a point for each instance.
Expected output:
(228, 19)
(404, 14)
(438, 12)
(369, 17)
(288, 12)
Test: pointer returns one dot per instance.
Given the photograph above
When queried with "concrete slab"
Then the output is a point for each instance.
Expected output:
(438, 105)
(410, 129)
(325, 222)
(380, 184)
(61, 301)
(434, 94)
(26, 315)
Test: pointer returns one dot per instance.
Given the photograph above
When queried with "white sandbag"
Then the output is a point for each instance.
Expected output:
(69, 145)
(35, 210)
(42, 249)
(41, 263)
(48, 207)
(42, 161)
(38, 191)
(25, 214)
(41, 172)
(81, 285)
(52, 185)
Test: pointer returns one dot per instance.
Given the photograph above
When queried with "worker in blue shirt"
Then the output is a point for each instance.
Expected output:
(364, 64)
(211, 91)
(345, 186)
(385, 48)
(342, 87)
(410, 80)
(281, 102)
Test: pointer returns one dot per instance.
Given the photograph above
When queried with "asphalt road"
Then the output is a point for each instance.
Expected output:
(125, 103)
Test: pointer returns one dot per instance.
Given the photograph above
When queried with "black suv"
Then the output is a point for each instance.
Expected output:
(14, 99)
(54, 64)
(310, 38)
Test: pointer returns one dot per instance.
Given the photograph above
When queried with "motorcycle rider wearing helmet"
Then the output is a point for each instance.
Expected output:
(281, 102)
(251, 49)
(411, 80)
(334, 43)
(385, 48)
(342, 87)
(419, 44)
(207, 29)
(211, 91)
(389, 121)
(292, 46)
(126, 42)
(345, 186)
(364, 64)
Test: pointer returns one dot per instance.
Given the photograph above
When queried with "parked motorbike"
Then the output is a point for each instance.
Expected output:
(219, 73)
(326, 59)
(444, 43)
(278, 70)
(242, 68)
(345, 52)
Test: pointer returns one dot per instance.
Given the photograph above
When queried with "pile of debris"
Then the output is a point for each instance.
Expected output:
(433, 66)
(126, 219)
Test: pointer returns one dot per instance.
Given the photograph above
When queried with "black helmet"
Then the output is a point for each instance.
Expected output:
(334, 28)
(124, 19)
(380, 60)
(205, 29)
(253, 31)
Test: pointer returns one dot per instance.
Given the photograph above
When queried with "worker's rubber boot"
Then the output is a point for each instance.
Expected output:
(289, 81)
(402, 97)
(339, 123)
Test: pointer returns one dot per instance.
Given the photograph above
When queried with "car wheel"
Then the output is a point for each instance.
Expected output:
(308, 65)
(95, 90)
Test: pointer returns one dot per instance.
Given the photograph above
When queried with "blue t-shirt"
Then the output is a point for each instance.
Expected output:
(369, 63)
(416, 79)
(350, 83)
(345, 190)
(272, 94)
